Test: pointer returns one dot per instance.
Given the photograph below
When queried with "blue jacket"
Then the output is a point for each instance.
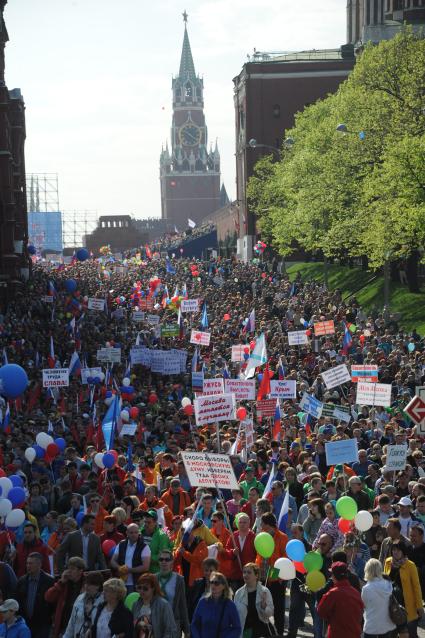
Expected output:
(19, 629)
(210, 621)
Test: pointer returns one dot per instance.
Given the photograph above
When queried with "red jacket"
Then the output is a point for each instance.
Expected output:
(247, 554)
(342, 608)
(56, 595)
(184, 501)
(22, 552)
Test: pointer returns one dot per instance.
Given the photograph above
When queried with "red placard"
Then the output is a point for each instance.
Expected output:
(146, 304)
(266, 408)
(324, 328)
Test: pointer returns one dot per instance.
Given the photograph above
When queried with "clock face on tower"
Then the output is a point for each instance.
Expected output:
(190, 135)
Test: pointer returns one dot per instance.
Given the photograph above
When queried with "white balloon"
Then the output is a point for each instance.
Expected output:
(6, 485)
(126, 381)
(109, 400)
(30, 454)
(5, 507)
(186, 401)
(363, 520)
(15, 518)
(125, 415)
(101, 376)
(98, 460)
(43, 440)
(302, 321)
(108, 344)
(286, 568)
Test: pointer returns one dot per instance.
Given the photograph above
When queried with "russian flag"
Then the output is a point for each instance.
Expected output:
(51, 289)
(110, 422)
(6, 420)
(140, 485)
(268, 487)
(283, 516)
(51, 359)
(281, 370)
(180, 324)
(250, 324)
(347, 341)
(264, 388)
(277, 423)
(74, 364)
(308, 424)
(195, 360)
(226, 374)
(71, 325)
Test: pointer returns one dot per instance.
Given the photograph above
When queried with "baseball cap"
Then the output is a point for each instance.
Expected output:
(9, 605)
(151, 514)
(405, 500)
(339, 569)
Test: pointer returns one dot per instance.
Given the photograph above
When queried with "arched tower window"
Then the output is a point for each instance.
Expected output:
(188, 90)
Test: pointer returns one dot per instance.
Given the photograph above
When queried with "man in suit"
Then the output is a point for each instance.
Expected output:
(83, 543)
(30, 592)
(243, 553)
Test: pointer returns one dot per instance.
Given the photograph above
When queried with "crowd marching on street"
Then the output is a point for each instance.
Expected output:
(121, 380)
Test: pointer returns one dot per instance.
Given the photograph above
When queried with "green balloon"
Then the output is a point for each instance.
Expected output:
(346, 507)
(264, 544)
(237, 517)
(130, 600)
(313, 561)
(315, 581)
(352, 328)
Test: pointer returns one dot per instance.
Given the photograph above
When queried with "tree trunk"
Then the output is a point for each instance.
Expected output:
(412, 271)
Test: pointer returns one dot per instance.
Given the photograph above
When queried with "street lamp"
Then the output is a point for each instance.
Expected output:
(287, 143)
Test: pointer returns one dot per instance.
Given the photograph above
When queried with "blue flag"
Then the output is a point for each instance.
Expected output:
(110, 421)
(169, 267)
(204, 316)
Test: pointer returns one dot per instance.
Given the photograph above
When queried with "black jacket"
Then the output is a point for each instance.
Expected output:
(121, 621)
(42, 614)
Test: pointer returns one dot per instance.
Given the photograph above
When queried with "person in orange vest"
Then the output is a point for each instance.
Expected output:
(98, 512)
(277, 587)
(176, 498)
(152, 502)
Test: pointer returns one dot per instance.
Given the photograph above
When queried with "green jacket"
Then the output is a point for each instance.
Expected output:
(159, 541)
(245, 487)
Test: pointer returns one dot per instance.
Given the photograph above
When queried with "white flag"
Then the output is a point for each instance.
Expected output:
(191, 223)
(258, 357)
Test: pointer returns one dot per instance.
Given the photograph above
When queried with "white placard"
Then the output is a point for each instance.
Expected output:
(56, 378)
(171, 362)
(285, 389)
(200, 338)
(96, 304)
(213, 386)
(238, 352)
(249, 433)
(209, 470)
(189, 305)
(244, 390)
(138, 315)
(128, 429)
(47, 298)
(89, 372)
(214, 408)
(396, 457)
(336, 376)
(297, 338)
(157, 361)
(153, 320)
(373, 394)
(138, 355)
(109, 355)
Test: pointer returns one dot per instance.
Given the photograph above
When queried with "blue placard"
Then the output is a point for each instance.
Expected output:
(311, 405)
(339, 452)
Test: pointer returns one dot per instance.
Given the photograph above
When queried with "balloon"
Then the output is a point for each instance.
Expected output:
(315, 581)
(5, 507)
(186, 401)
(71, 285)
(188, 410)
(295, 550)
(61, 443)
(411, 347)
(346, 507)
(134, 412)
(108, 401)
(107, 545)
(16, 496)
(237, 517)
(52, 450)
(30, 454)
(114, 454)
(15, 518)
(16, 480)
(246, 350)
(252, 344)
(101, 376)
(264, 544)
(286, 568)
(31, 250)
(300, 567)
(43, 440)
(363, 520)
(226, 317)
(344, 525)
(241, 413)
(131, 599)
(152, 398)
(108, 460)
(126, 381)
(352, 328)
(82, 254)
(313, 561)
(13, 380)
(79, 518)
(125, 416)
(98, 459)
(5, 485)
(39, 451)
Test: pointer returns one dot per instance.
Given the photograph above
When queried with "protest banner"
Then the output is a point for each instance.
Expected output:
(238, 352)
(170, 330)
(56, 378)
(244, 390)
(128, 429)
(339, 452)
(266, 407)
(138, 315)
(213, 386)
(209, 470)
(396, 457)
(200, 338)
(197, 381)
(153, 320)
(157, 361)
(336, 376)
(171, 362)
(311, 405)
(96, 304)
(297, 338)
(367, 373)
(373, 394)
(285, 389)
(137, 355)
(145, 304)
(47, 298)
(89, 372)
(341, 412)
(189, 305)
(324, 328)
(118, 314)
(109, 355)
(214, 408)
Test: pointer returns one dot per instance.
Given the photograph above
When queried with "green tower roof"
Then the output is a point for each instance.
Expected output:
(187, 68)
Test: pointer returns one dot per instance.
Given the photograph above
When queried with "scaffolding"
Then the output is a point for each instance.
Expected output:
(76, 225)
(42, 192)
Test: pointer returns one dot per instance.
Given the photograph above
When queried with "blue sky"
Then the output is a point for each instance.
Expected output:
(96, 78)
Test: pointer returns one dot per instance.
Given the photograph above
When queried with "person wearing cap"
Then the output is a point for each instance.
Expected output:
(341, 607)
(405, 515)
(13, 626)
(131, 557)
(155, 538)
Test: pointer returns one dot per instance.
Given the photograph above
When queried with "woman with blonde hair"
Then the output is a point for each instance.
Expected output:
(112, 616)
(216, 614)
(152, 613)
(254, 603)
(376, 599)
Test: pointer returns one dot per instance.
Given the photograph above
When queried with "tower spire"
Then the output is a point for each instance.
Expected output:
(187, 67)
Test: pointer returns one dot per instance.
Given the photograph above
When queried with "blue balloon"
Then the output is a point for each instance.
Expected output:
(61, 443)
(96, 380)
(79, 518)
(295, 550)
(16, 480)
(108, 460)
(71, 285)
(411, 347)
(128, 389)
(39, 451)
(108, 394)
(90, 380)
(246, 356)
(31, 250)
(260, 377)
(13, 380)
(82, 254)
(16, 496)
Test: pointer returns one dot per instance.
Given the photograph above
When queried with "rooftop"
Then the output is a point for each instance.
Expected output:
(314, 55)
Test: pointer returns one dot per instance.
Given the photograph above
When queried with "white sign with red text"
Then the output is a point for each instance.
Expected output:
(238, 352)
(373, 394)
(215, 408)
(213, 386)
(285, 389)
(209, 470)
(244, 390)
(200, 338)
(56, 378)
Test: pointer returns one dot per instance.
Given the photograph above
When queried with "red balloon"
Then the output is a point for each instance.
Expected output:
(52, 450)
(226, 317)
(252, 344)
(241, 413)
(153, 398)
(264, 275)
(308, 333)
(344, 525)
(114, 454)
(246, 350)
(299, 566)
(134, 412)
(107, 545)
(188, 410)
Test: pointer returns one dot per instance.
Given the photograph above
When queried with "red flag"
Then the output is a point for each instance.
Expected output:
(264, 388)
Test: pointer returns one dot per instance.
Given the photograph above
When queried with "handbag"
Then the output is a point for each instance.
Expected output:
(397, 612)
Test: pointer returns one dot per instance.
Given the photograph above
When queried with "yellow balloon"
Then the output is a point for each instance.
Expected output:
(315, 581)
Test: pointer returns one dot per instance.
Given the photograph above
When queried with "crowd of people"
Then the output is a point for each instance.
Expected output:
(132, 548)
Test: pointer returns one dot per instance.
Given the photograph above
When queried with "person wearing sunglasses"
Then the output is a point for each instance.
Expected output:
(173, 589)
(216, 614)
(152, 613)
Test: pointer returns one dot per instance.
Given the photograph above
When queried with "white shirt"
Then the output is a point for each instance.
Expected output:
(102, 628)
(376, 596)
(128, 560)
